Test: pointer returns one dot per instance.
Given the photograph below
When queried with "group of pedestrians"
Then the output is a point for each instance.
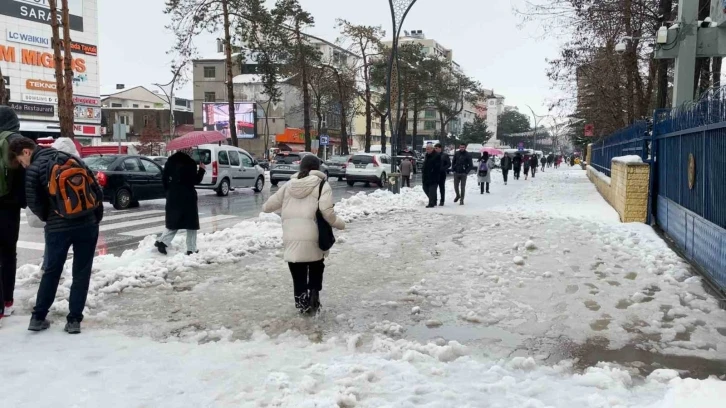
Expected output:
(63, 193)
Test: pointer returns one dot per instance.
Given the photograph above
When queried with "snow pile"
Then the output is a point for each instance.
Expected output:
(291, 371)
(379, 202)
(632, 159)
(145, 267)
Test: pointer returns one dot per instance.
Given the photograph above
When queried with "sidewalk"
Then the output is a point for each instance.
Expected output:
(510, 300)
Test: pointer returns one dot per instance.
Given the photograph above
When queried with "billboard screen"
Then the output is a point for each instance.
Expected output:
(215, 116)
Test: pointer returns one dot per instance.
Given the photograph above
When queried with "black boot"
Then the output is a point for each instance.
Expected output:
(161, 247)
(38, 324)
(314, 301)
(302, 302)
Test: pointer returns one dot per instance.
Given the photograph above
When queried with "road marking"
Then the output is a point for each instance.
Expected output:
(161, 228)
(128, 224)
(131, 214)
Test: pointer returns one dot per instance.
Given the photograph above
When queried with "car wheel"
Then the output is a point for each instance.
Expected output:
(223, 190)
(340, 178)
(383, 180)
(351, 183)
(274, 182)
(122, 199)
(259, 184)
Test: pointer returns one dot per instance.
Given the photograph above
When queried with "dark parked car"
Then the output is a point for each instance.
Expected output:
(413, 155)
(336, 166)
(126, 180)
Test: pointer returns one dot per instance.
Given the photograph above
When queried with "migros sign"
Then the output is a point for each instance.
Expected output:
(36, 58)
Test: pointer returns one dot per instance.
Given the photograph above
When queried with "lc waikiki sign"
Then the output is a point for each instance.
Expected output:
(39, 11)
(36, 58)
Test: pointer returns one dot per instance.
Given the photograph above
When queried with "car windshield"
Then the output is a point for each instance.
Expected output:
(362, 159)
(287, 158)
(99, 163)
(202, 155)
(339, 159)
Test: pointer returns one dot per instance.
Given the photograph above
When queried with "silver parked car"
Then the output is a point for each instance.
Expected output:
(336, 166)
(288, 163)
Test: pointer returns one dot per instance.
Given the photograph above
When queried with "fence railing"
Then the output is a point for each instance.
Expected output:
(632, 140)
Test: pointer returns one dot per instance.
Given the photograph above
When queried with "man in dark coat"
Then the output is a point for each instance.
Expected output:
(506, 166)
(533, 163)
(445, 166)
(180, 178)
(80, 232)
(10, 204)
(461, 167)
(430, 174)
(517, 165)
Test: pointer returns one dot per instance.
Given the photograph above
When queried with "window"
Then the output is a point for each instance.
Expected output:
(246, 161)
(146, 120)
(430, 113)
(116, 105)
(234, 158)
(384, 160)
(132, 165)
(283, 158)
(147, 106)
(151, 168)
(223, 159)
(180, 102)
(124, 119)
(136, 105)
(203, 155)
(210, 72)
(430, 125)
(99, 163)
(210, 97)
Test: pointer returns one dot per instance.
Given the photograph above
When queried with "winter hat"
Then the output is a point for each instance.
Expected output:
(8, 119)
(66, 145)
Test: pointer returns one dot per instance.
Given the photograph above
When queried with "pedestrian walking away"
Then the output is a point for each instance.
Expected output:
(430, 174)
(461, 167)
(506, 164)
(550, 159)
(12, 200)
(298, 201)
(180, 177)
(543, 161)
(533, 163)
(406, 171)
(517, 165)
(486, 164)
(527, 164)
(53, 182)
(445, 166)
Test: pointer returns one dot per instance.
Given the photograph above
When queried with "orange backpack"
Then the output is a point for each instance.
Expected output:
(71, 187)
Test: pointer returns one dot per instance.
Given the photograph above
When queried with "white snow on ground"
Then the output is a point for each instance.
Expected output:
(531, 266)
(110, 370)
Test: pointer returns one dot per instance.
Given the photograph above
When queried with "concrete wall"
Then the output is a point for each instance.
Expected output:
(626, 190)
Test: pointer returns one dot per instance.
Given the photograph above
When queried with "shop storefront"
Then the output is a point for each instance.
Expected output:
(26, 60)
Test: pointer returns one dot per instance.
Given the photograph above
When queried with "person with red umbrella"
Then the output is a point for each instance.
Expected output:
(181, 175)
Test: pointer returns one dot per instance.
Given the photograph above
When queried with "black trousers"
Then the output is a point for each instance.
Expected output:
(482, 187)
(442, 187)
(430, 190)
(9, 231)
(534, 171)
(307, 276)
(517, 171)
(505, 173)
(406, 181)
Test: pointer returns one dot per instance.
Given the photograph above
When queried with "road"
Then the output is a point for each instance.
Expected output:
(122, 230)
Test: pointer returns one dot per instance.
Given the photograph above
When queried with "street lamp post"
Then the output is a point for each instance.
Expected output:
(399, 11)
(170, 98)
(536, 122)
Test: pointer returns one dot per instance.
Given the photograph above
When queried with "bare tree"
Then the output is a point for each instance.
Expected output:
(192, 17)
(4, 94)
(61, 63)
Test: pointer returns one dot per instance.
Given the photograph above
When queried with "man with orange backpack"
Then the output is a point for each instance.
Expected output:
(63, 193)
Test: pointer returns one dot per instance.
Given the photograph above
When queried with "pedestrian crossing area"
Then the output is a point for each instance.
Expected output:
(124, 228)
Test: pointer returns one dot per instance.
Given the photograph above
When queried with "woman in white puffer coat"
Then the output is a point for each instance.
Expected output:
(299, 201)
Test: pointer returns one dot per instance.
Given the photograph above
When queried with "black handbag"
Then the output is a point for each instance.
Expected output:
(326, 239)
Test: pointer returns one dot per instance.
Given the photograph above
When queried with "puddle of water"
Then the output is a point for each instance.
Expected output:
(592, 305)
(595, 351)
(600, 324)
(623, 304)
(571, 289)
(631, 275)
(613, 283)
(464, 334)
(721, 331)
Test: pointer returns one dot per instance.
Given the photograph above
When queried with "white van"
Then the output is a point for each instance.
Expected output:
(228, 168)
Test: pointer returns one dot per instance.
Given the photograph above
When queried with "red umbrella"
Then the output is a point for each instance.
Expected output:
(492, 151)
(193, 139)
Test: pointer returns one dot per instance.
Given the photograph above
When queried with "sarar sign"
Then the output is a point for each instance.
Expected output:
(39, 11)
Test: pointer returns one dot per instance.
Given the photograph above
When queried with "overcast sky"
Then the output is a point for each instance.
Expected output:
(484, 35)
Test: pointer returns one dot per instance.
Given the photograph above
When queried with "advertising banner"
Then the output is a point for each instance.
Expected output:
(87, 113)
(215, 116)
(39, 11)
(33, 108)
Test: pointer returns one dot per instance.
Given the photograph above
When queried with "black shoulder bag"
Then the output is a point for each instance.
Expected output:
(326, 239)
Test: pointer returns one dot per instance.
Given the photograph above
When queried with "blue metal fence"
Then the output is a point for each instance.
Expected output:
(689, 181)
(632, 140)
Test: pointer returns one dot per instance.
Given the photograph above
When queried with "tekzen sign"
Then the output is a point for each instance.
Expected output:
(39, 11)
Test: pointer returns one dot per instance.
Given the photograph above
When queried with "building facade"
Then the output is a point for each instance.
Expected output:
(26, 60)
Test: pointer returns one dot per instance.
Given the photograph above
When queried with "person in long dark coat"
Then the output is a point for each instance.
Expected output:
(180, 178)
(430, 174)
